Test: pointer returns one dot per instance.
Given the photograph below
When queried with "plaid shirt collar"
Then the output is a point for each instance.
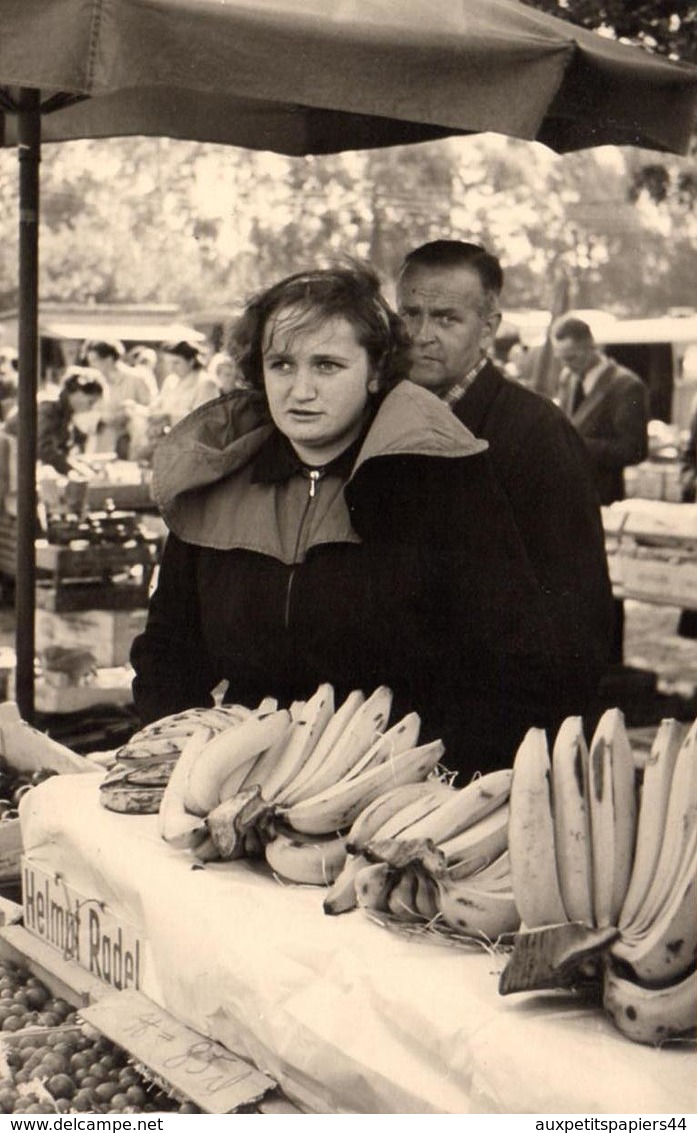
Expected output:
(455, 392)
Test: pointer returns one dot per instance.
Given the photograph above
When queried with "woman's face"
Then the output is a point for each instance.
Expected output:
(178, 365)
(318, 379)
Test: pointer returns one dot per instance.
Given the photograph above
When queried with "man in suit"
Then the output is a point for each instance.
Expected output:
(609, 407)
(448, 295)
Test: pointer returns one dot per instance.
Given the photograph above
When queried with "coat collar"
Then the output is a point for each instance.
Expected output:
(223, 436)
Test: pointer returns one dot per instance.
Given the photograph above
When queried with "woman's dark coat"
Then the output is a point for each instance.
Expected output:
(411, 574)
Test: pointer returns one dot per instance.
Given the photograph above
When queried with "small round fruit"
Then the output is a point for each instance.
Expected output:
(60, 1086)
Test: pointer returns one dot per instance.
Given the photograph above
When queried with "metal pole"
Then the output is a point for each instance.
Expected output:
(29, 152)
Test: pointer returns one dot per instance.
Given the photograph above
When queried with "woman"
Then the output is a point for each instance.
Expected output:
(338, 524)
(223, 374)
(59, 441)
(182, 387)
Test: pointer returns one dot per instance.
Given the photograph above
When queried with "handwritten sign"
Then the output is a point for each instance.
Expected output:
(214, 1078)
(81, 928)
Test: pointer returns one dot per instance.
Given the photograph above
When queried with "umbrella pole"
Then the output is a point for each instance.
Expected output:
(29, 153)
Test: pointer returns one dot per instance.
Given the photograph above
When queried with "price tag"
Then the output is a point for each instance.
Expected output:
(216, 1080)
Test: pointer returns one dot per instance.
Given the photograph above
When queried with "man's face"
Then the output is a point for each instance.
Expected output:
(442, 309)
(579, 357)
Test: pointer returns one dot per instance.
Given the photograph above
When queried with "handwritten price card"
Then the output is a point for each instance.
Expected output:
(216, 1080)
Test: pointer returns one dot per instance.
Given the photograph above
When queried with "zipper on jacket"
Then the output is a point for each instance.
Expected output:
(314, 475)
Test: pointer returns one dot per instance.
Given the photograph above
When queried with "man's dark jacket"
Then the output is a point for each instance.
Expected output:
(613, 420)
(541, 463)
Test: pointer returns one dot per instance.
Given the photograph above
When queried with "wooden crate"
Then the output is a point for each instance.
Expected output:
(106, 634)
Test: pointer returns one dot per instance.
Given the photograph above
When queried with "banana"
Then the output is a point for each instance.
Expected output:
(334, 729)
(426, 896)
(227, 751)
(477, 912)
(306, 861)
(655, 792)
(303, 735)
(400, 737)
(478, 845)
(266, 704)
(400, 824)
(376, 815)
(336, 807)
(401, 900)
(465, 807)
(175, 824)
(367, 723)
(612, 798)
(531, 835)
(373, 885)
(496, 874)
(681, 815)
(572, 835)
(341, 897)
(651, 1015)
(668, 949)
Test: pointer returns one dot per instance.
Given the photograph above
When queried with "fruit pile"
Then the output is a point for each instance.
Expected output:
(431, 853)
(14, 784)
(287, 784)
(26, 1002)
(605, 873)
(50, 1063)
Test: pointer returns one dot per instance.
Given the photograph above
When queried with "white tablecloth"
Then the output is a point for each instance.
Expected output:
(346, 1015)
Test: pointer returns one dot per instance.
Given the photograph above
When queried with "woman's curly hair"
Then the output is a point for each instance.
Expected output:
(350, 291)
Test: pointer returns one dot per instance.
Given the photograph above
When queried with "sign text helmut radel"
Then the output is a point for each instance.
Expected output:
(81, 928)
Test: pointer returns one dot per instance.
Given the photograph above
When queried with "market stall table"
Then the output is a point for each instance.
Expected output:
(346, 1015)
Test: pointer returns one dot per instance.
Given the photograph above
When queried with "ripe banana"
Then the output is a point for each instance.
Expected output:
(465, 807)
(376, 815)
(401, 900)
(531, 835)
(341, 897)
(334, 729)
(306, 861)
(651, 1015)
(175, 824)
(668, 948)
(366, 724)
(227, 751)
(478, 845)
(400, 824)
(495, 874)
(426, 896)
(373, 885)
(612, 798)
(572, 835)
(303, 735)
(655, 792)
(400, 737)
(681, 816)
(336, 807)
(474, 911)
(164, 738)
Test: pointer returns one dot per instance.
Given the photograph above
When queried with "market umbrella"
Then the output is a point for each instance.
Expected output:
(297, 77)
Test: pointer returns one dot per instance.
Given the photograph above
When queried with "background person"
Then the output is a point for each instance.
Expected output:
(448, 295)
(608, 405)
(336, 524)
(126, 395)
(59, 442)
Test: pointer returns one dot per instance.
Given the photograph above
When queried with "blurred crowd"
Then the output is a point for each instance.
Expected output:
(115, 400)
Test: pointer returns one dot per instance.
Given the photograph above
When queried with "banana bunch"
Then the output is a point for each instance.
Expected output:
(136, 781)
(288, 784)
(592, 847)
(427, 852)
